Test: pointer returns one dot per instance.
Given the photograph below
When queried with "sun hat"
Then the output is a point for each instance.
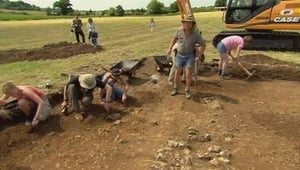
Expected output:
(188, 19)
(87, 81)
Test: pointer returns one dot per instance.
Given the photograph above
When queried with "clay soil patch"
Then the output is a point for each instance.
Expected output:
(50, 51)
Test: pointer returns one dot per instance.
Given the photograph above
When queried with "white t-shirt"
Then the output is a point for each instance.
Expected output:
(91, 27)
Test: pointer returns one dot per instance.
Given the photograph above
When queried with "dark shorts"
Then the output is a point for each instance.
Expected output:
(222, 48)
(117, 93)
(93, 34)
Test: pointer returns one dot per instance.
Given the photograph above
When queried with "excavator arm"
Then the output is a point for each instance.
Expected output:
(185, 8)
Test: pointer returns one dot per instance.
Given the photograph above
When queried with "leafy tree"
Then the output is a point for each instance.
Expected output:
(48, 11)
(119, 11)
(17, 5)
(220, 3)
(64, 7)
(174, 7)
(155, 7)
(112, 11)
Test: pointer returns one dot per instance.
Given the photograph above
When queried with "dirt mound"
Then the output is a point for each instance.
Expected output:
(266, 67)
(261, 59)
(50, 51)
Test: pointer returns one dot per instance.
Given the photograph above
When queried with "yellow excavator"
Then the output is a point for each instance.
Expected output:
(268, 21)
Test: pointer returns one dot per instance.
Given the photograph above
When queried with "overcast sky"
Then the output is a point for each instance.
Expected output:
(105, 4)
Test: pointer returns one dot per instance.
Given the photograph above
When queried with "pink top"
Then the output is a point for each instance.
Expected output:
(36, 91)
(233, 42)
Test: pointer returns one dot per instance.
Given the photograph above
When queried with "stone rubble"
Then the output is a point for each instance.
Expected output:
(177, 154)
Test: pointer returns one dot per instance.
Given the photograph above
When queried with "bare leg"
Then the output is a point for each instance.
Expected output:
(225, 63)
(26, 107)
(177, 76)
(188, 75)
(220, 65)
(176, 80)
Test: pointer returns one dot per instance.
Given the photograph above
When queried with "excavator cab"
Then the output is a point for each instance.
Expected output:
(241, 11)
(267, 21)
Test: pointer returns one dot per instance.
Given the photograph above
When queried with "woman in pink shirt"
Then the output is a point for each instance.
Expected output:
(32, 102)
(224, 48)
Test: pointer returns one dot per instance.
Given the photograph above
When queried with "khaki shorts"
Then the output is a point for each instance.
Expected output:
(46, 109)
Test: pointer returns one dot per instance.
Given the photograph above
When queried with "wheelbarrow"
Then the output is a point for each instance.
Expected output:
(12, 111)
(162, 62)
(128, 67)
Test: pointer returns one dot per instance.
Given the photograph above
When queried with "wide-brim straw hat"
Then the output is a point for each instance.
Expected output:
(87, 81)
(188, 19)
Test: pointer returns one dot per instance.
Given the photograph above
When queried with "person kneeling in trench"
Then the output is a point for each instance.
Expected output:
(31, 101)
(78, 94)
(113, 77)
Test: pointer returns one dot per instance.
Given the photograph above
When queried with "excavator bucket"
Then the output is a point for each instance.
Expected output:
(185, 8)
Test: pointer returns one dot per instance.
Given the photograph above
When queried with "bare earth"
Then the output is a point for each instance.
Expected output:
(228, 124)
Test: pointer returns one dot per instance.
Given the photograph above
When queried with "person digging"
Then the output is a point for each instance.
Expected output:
(78, 94)
(31, 101)
(225, 46)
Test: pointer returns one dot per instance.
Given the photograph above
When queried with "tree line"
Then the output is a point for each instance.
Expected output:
(18, 5)
(64, 7)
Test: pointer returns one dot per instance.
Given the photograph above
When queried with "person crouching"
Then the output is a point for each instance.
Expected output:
(31, 101)
(78, 93)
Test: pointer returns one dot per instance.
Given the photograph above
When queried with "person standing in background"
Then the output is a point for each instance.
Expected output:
(93, 34)
(152, 25)
(77, 29)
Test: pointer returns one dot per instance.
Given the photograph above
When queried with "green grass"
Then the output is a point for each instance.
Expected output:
(20, 16)
(122, 38)
(24, 15)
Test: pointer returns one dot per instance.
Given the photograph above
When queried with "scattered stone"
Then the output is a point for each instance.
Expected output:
(78, 117)
(207, 156)
(193, 131)
(154, 123)
(117, 122)
(178, 155)
(215, 149)
(224, 160)
(11, 143)
(77, 136)
(228, 139)
(205, 138)
(176, 144)
(155, 78)
(123, 141)
(48, 84)
(51, 134)
(213, 121)
(225, 154)
(192, 137)
(214, 162)
(216, 105)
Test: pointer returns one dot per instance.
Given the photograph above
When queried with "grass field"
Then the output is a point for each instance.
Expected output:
(24, 15)
(122, 38)
(8, 15)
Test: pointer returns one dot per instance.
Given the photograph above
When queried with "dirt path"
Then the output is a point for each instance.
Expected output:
(229, 124)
